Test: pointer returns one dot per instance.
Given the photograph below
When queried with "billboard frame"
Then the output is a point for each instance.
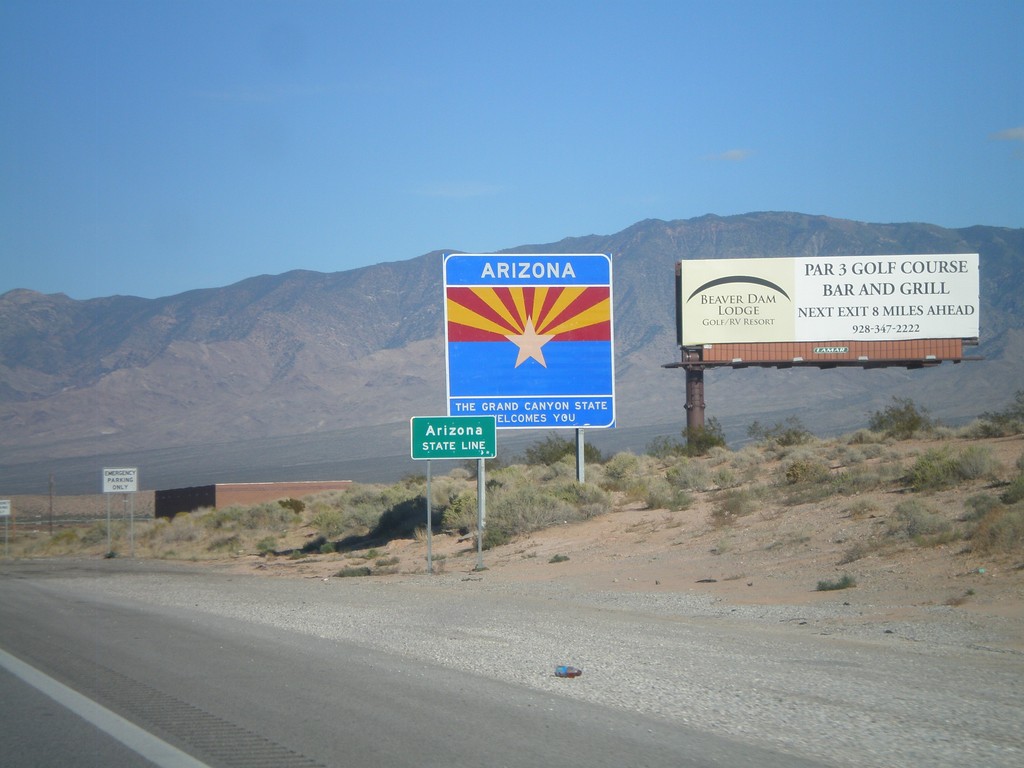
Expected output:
(918, 352)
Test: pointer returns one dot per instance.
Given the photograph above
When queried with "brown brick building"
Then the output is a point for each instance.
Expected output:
(170, 502)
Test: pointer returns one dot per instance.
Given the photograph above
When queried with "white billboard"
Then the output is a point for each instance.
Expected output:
(828, 298)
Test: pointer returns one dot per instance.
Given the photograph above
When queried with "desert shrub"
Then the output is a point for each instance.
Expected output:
(620, 471)
(918, 522)
(559, 559)
(934, 470)
(901, 420)
(938, 468)
(788, 433)
(401, 519)
(861, 479)
(806, 471)
(731, 505)
(495, 537)
(976, 462)
(513, 512)
(688, 474)
(563, 467)
(1009, 421)
(236, 517)
(270, 516)
(328, 521)
(1001, 529)
(866, 437)
(856, 551)
(266, 545)
(664, 447)
(700, 440)
(67, 537)
(662, 495)
(295, 505)
(860, 509)
(978, 506)
(1014, 491)
(96, 532)
(311, 547)
(70, 540)
(843, 582)
(231, 543)
(183, 528)
(363, 505)
(725, 477)
(589, 500)
(447, 487)
(748, 463)
(552, 448)
(460, 513)
(354, 572)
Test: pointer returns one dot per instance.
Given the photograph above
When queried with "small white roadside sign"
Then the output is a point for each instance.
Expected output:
(120, 479)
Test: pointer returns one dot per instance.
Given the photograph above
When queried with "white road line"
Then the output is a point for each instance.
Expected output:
(155, 750)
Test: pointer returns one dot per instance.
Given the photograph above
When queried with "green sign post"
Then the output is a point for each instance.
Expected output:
(455, 437)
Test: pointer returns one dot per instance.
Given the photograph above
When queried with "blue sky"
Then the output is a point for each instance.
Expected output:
(155, 146)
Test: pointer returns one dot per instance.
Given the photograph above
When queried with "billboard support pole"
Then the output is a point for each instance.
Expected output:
(694, 391)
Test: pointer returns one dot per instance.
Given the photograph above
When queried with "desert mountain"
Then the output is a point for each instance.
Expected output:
(308, 375)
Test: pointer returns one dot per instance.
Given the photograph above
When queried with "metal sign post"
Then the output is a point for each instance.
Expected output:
(481, 520)
(122, 480)
(581, 472)
(430, 526)
(5, 513)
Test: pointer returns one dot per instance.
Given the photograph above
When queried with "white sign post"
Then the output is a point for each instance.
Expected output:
(5, 513)
(122, 480)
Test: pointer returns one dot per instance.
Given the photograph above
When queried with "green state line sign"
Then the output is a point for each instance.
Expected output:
(453, 437)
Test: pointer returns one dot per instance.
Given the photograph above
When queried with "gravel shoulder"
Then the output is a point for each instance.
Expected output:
(722, 628)
(815, 680)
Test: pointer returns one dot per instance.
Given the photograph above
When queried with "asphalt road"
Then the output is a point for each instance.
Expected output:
(229, 692)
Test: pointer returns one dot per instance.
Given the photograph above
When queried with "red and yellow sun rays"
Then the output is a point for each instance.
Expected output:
(493, 314)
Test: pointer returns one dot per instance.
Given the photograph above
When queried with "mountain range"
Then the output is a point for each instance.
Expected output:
(310, 375)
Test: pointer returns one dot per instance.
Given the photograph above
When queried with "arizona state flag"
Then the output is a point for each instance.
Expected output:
(529, 339)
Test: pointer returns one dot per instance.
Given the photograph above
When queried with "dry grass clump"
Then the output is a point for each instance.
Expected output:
(999, 530)
(917, 521)
(734, 504)
(661, 494)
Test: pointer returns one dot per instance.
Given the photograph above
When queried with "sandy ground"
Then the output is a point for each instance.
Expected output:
(773, 557)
